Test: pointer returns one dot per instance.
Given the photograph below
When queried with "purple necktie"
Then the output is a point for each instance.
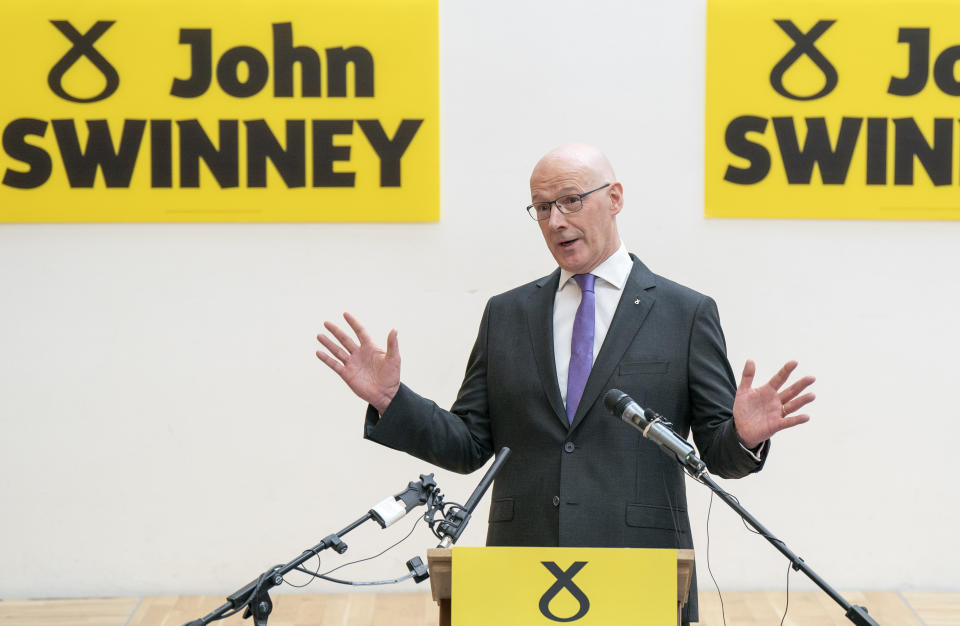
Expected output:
(581, 344)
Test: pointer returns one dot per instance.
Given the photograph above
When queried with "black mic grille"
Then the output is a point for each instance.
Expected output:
(616, 401)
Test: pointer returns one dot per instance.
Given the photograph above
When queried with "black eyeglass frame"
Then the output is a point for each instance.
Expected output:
(532, 208)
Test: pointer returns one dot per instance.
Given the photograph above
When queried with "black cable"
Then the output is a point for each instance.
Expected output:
(743, 520)
(253, 593)
(673, 512)
(432, 521)
(381, 553)
(723, 613)
(313, 574)
(326, 574)
(788, 596)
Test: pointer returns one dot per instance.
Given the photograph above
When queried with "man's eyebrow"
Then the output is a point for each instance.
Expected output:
(565, 191)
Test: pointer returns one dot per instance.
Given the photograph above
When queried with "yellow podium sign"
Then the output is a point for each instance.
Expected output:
(584, 586)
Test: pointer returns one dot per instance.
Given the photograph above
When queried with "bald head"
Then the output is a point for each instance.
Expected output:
(582, 240)
(575, 157)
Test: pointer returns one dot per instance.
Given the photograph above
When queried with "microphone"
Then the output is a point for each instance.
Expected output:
(653, 427)
(391, 509)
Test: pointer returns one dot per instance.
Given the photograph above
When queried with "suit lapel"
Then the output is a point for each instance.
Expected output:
(635, 303)
(540, 322)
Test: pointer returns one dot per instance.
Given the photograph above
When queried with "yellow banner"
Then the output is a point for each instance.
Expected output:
(584, 586)
(219, 110)
(845, 109)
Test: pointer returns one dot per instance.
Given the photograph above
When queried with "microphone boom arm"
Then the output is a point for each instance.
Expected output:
(254, 595)
(657, 430)
(456, 521)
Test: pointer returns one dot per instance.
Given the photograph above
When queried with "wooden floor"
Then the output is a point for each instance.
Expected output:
(415, 609)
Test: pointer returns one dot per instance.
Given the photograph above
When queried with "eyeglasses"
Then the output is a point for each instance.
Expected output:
(566, 204)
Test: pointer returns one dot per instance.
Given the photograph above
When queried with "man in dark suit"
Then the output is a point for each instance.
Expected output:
(545, 354)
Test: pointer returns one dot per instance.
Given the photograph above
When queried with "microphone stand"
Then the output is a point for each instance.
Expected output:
(856, 614)
(255, 594)
(674, 445)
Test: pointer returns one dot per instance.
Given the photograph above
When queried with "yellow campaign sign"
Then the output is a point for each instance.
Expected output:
(221, 110)
(583, 586)
(845, 109)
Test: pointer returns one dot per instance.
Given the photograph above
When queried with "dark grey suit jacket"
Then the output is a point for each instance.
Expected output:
(596, 482)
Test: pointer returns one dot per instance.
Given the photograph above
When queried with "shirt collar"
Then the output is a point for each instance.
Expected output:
(614, 270)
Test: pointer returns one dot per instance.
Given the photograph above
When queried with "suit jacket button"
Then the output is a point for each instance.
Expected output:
(556, 500)
(569, 447)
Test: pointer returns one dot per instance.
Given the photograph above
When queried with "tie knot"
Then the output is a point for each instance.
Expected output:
(585, 281)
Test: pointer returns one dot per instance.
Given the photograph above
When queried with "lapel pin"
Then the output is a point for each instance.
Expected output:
(637, 301)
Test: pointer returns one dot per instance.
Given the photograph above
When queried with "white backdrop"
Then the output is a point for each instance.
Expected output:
(167, 429)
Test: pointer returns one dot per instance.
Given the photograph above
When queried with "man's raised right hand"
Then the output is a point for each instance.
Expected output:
(371, 373)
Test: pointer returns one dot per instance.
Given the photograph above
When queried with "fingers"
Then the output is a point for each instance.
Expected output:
(330, 362)
(347, 346)
(393, 346)
(357, 328)
(333, 348)
(345, 340)
(793, 420)
(746, 379)
(781, 376)
(794, 390)
(337, 354)
(797, 403)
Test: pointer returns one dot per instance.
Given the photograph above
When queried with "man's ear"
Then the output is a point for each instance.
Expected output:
(616, 198)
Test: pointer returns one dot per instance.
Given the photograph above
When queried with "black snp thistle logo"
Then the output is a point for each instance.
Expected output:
(803, 46)
(564, 581)
(83, 47)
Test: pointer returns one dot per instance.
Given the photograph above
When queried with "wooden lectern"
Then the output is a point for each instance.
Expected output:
(440, 564)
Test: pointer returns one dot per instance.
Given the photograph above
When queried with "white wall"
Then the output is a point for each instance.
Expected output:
(167, 429)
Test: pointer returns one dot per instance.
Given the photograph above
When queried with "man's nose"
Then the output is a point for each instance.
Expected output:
(557, 217)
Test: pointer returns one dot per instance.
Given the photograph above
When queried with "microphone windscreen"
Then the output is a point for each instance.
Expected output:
(616, 401)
